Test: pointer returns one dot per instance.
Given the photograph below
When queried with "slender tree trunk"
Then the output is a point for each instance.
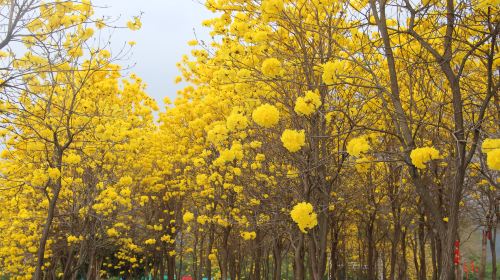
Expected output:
(435, 271)
(257, 258)
(232, 266)
(181, 257)
(421, 240)
(371, 252)
(208, 269)
(493, 253)
(91, 271)
(318, 246)
(415, 253)
(223, 265)
(334, 254)
(484, 242)
(277, 248)
(68, 265)
(161, 268)
(298, 264)
(48, 223)
(170, 267)
(394, 248)
(202, 258)
(403, 268)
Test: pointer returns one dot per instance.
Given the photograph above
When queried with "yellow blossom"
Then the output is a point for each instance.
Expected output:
(420, 156)
(53, 173)
(493, 159)
(212, 257)
(112, 232)
(248, 235)
(150, 241)
(135, 24)
(357, 146)
(330, 71)
(187, 217)
(266, 115)
(236, 121)
(304, 216)
(308, 104)
(271, 67)
(293, 140)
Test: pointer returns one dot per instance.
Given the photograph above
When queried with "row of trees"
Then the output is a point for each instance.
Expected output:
(315, 139)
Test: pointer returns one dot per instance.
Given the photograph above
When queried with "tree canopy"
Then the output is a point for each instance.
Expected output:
(314, 139)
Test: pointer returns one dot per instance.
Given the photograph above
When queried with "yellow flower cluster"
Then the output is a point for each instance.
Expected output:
(39, 178)
(229, 155)
(490, 145)
(72, 239)
(266, 115)
(187, 217)
(420, 156)
(54, 173)
(72, 159)
(493, 159)
(271, 67)
(492, 149)
(201, 179)
(217, 134)
(330, 70)
(202, 219)
(150, 241)
(236, 121)
(272, 6)
(308, 104)
(246, 235)
(135, 24)
(304, 216)
(357, 146)
(212, 257)
(293, 140)
(125, 181)
(112, 232)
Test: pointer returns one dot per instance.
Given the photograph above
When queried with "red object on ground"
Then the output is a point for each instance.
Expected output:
(187, 278)
(456, 259)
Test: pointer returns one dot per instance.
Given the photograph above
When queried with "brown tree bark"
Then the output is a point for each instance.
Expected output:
(298, 264)
(57, 185)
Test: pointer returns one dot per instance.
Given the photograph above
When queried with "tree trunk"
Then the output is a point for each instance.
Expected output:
(48, 223)
(371, 251)
(277, 248)
(317, 247)
(170, 267)
(298, 264)
(223, 265)
(394, 247)
(257, 257)
(484, 241)
(334, 254)
(421, 240)
(92, 269)
(208, 269)
(68, 265)
(493, 253)
(232, 266)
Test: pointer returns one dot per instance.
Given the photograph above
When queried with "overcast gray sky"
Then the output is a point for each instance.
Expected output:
(167, 26)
